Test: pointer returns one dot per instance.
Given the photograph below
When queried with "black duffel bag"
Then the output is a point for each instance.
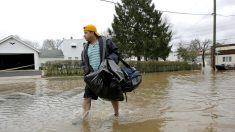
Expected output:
(104, 83)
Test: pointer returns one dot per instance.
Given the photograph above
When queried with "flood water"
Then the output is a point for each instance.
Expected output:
(189, 101)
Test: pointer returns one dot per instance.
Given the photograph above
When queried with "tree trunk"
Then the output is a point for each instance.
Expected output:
(146, 58)
(138, 58)
(156, 58)
(203, 59)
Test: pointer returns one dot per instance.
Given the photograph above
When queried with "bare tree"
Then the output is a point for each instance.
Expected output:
(34, 44)
(193, 50)
(58, 42)
(204, 47)
(188, 51)
(49, 44)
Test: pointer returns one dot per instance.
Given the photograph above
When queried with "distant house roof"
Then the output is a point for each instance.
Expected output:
(54, 53)
(19, 40)
(71, 42)
(227, 52)
(225, 45)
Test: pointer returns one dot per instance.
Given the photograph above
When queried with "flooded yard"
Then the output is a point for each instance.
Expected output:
(189, 101)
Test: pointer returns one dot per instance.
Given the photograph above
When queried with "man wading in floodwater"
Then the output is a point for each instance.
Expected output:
(91, 61)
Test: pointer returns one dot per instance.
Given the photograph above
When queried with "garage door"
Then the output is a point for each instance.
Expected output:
(20, 61)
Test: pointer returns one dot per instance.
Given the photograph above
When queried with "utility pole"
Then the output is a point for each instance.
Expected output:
(214, 36)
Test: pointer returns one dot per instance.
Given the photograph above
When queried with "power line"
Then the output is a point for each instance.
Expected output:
(185, 13)
(205, 31)
(199, 21)
(225, 39)
(188, 43)
(202, 32)
(196, 14)
(225, 15)
(181, 13)
(109, 1)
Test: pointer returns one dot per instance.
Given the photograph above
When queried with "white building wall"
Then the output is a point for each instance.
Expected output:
(69, 52)
(36, 61)
(219, 59)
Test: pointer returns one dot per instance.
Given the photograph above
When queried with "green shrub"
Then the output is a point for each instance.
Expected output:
(162, 66)
(73, 67)
(62, 68)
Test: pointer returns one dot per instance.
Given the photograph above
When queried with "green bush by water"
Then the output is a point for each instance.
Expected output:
(73, 67)
(62, 68)
(162, 66)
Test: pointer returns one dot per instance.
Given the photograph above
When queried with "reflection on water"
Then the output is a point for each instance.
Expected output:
(175, 101)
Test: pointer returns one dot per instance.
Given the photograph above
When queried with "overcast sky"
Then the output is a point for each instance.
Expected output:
(37, 20)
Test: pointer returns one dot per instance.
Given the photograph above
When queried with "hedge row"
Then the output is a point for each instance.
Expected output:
(163, 66)
(73, 67)
(62, 68)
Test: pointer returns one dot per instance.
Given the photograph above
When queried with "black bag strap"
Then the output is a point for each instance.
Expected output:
(104, 39)
(84, 50)
(124, 63)
(104, 47)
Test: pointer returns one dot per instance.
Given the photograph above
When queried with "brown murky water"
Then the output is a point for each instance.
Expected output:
(191, 101)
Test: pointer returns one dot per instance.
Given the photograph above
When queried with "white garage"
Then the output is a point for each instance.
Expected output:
(16, 54)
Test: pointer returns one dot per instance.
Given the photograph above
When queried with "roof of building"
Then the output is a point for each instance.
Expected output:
(19, 40)
(227, 52)
(54, 53)
(225, 45)
(72, 41)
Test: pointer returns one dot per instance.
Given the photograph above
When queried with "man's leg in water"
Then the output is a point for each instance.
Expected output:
(115, 108)
(86, 106)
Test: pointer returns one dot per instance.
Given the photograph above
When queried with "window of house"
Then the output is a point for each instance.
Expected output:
(226, 58)
(230, 59)
(73, 45)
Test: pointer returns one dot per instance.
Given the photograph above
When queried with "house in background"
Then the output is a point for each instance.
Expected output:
(225, 55)
(68, 49)
(17, 54)
(72, 48)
